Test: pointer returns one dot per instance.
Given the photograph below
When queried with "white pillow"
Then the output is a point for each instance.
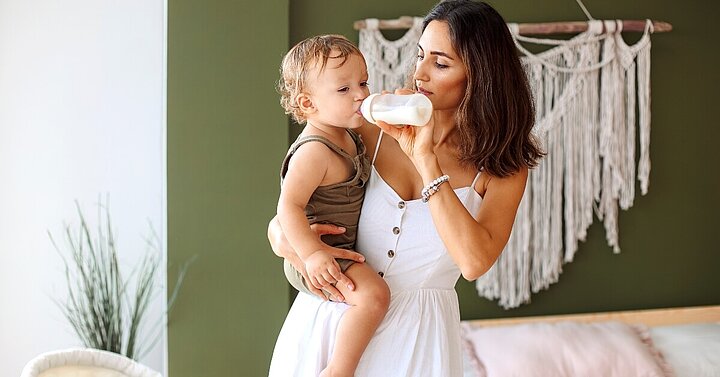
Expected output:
(692, 350)
(608, 349)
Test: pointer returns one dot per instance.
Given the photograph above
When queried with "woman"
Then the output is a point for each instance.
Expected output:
(418, 229)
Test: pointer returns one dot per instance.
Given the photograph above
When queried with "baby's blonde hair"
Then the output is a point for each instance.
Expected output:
(299, 61)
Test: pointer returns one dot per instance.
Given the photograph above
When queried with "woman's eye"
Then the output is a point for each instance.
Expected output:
(419, 57)
(441, 66)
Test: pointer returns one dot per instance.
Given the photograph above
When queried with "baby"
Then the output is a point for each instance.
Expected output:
(323, 82)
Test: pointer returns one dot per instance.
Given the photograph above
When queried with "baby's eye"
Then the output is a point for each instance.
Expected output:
(364, 83)
(343, 89)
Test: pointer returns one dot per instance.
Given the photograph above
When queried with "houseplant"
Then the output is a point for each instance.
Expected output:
(107, 310)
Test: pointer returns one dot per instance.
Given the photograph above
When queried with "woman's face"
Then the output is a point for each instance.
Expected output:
(439, 72)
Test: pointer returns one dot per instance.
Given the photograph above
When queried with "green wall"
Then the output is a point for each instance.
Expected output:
(227, 135)
(225, 140)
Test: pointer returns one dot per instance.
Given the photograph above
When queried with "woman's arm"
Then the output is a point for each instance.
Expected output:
(474, 243)
(281, 247)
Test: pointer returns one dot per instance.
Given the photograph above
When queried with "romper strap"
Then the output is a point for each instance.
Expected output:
(321, 139)
(377, 148)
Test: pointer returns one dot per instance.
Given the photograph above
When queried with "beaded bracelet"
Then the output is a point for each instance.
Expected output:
(433, 187)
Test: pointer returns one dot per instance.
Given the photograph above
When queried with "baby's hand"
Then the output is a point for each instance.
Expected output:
(322, 269)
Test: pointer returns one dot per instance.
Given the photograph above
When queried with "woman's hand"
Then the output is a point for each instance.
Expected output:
(282, 248)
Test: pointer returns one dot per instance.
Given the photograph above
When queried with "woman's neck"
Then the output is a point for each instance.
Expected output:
(445, 132)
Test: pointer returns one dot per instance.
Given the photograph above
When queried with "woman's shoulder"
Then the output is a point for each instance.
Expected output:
(512, 183)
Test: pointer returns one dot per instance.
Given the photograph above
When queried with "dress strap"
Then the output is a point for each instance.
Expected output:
(377, 148)
(476, 179)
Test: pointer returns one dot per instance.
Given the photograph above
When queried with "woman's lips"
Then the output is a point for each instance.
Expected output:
(425, 92)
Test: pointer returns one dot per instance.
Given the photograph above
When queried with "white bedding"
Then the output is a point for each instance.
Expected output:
(540, 350)
(692, 350)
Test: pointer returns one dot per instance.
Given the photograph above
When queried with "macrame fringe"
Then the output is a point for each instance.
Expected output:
(389, 62)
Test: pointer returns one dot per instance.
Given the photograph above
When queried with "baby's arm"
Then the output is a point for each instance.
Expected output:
(305, 174)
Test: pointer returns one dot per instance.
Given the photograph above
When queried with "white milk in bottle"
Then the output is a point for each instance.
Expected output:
(399, 109)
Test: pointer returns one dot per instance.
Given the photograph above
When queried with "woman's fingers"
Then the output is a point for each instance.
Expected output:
(328, 279)
(322, 229)
(336, 275)
(332, 272)
(344, 280)
(394, 131)
(335, 294)
(298, 264)
(346, 254)
(311, 287)
(283, 249)
(315, 282)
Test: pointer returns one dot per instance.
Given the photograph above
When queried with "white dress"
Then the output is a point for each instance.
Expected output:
(420, 334)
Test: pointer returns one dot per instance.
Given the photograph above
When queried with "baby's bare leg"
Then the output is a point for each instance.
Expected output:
(368, 305)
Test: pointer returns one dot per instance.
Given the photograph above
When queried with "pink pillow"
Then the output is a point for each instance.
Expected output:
(608, 349)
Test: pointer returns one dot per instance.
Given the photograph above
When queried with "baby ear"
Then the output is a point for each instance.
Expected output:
(305, 103)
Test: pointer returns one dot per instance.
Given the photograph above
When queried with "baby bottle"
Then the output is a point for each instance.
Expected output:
(400, 109)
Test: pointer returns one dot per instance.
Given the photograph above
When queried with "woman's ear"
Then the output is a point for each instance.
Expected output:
(305, 103)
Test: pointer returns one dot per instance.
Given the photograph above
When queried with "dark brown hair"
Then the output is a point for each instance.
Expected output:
(496, 115)
(298, 61)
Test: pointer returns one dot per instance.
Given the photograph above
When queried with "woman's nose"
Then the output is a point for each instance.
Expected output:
(420, 71)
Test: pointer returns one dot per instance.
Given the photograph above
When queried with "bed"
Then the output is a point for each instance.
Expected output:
(679, 342)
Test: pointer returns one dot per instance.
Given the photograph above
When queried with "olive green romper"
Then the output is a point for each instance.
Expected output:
(337, 204)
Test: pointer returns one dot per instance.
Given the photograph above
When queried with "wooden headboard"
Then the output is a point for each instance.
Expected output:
(651, 317)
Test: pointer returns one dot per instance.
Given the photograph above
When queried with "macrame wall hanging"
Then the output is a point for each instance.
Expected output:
(389, 62)
(592, 99)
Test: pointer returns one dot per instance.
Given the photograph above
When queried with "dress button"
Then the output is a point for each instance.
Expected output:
(381, 274)
(391, 254)
(401, 204)
(396, 230)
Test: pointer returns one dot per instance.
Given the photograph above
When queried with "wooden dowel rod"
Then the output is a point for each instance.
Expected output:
(581, 26)
(572, 27)
(404, 22)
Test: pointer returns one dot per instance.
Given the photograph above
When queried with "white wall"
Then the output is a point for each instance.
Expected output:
(82, 114)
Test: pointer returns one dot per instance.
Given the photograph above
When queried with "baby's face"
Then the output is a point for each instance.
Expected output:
(338, 91)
